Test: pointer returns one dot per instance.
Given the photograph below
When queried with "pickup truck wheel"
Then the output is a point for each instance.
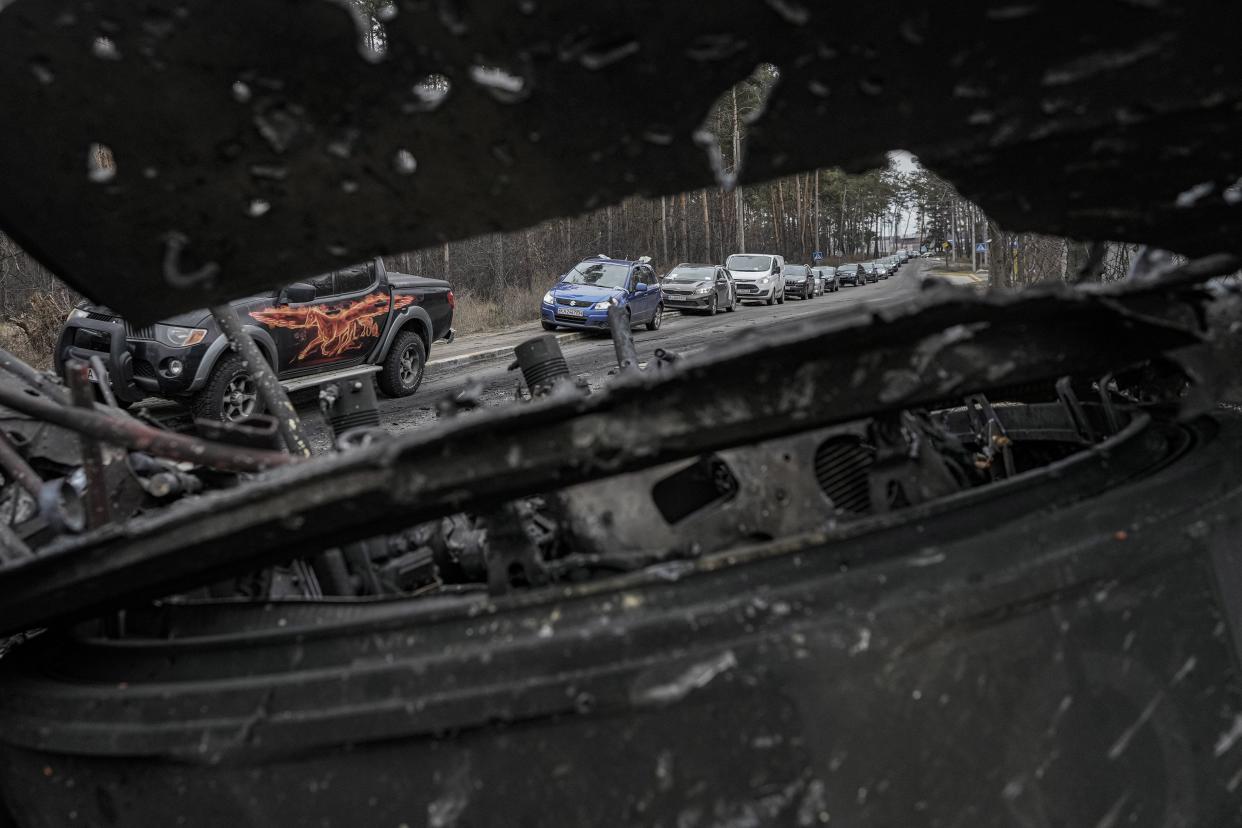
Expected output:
(230, 393)
(403, 367)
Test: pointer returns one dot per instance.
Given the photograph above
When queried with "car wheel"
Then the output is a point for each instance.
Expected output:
(403, 366)
(654, 324)
(548, 326)
(230, 395)
(772, 300)
(711, 306)
(780, 300)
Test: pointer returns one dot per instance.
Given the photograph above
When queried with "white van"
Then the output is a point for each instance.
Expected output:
(758, 277)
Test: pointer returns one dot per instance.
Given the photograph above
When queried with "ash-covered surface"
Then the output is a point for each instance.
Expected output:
(254, 141)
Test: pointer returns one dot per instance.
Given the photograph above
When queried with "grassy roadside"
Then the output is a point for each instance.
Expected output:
(475, 314)
(31, 335)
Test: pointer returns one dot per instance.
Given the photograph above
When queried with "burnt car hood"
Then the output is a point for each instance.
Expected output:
(1031, 125)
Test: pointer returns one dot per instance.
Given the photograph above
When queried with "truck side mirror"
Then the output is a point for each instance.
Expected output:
(641, 287)
(296, 294)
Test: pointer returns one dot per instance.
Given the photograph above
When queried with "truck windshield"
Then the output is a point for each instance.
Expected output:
(749, 264)
(599, 274)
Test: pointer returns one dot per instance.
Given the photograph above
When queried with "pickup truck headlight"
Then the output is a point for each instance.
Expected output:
(602, 305)
(179, 337)
(547, 298)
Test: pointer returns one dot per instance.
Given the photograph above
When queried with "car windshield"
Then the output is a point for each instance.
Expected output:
(826, 271)
(849, 268)
(749, 264)
(690, 274)
(598, 274)
(794, 273)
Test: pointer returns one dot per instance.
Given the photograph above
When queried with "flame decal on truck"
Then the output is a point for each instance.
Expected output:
(337, 329)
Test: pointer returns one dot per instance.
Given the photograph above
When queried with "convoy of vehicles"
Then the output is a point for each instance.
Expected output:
(581, 298)
(342, 321)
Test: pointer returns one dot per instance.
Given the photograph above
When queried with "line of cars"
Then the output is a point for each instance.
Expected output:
(582, 297)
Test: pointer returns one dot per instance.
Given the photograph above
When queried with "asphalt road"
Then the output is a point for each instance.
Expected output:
(593, 356)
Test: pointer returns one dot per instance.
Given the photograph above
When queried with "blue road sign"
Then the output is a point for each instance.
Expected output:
(818, 254)
(981, 248)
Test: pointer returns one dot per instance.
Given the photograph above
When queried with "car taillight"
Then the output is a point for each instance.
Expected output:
(452, 300)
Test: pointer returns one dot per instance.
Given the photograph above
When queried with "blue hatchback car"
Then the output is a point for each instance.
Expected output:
(582, 297)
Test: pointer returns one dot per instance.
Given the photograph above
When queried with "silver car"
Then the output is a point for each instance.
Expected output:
(699, 287)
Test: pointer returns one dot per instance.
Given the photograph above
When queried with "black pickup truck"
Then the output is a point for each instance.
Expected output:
(309, 331)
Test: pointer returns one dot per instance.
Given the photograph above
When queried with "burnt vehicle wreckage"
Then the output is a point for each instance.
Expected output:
(975, 561)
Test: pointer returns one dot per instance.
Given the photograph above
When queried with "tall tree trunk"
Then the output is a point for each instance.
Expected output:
(685, 228)
(530, 257)
(664, 228)
(844, 191)
(448, 273)
(738, 202)
(817, 247)
(707, 230)
(776, 212)
(974, 244)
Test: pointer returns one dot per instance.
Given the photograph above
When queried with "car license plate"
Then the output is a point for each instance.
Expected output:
(572, 312)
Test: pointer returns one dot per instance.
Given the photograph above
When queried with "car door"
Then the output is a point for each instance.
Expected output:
(724, 296)
(650, 300)
(338, 328)
(287, 322)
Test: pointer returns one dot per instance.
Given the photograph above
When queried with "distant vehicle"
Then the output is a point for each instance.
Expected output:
(851, 274)
(871, 271)
(827, 279)
(582, 297)
(799, 281)
(699, 287)
(309, 331)
(757, 277)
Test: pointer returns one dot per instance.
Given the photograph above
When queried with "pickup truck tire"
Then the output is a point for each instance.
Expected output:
(403, 367)
(230, 393)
